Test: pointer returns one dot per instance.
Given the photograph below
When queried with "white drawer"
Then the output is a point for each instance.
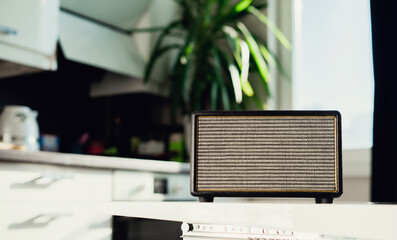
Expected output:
(141, 186)
(52, 222)
(44, 183)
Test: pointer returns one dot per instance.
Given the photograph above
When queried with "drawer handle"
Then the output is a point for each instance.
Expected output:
(8, 31)
(41, 182)
(136, 189)
(39, 221)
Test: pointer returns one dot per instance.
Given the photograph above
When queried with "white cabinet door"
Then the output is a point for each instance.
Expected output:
(53, 222)
(33, 24)
(146, 186)
(44, 183)
(43, 202)
(29, 32)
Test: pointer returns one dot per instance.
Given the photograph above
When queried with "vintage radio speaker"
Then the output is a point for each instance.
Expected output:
(266, 154)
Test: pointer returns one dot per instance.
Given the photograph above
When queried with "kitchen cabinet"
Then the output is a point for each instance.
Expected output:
(149, 186)
(48, 195)
(38, 183)
(29, 32)
(52, 221)
(42, 200)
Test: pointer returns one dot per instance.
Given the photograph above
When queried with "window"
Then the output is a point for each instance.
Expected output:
(333, 64)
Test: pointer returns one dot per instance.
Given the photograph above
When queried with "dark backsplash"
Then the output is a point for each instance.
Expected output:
(66, 109)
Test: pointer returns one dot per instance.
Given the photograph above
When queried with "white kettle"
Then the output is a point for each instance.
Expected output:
(18, 126)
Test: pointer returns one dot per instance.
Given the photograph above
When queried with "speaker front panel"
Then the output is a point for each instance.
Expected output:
(266, 153)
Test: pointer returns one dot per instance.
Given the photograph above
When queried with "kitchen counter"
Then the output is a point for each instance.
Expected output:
(46, 194)
(343, 221)
(91, 161)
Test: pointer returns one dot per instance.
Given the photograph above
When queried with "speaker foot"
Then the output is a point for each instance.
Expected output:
(324, 200)
(206, 199)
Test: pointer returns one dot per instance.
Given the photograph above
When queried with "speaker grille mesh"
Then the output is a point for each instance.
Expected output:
(266, 153)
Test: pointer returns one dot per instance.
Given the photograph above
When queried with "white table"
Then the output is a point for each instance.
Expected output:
(352, 221)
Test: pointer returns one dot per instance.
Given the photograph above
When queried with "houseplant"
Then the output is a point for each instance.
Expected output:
(217, 56)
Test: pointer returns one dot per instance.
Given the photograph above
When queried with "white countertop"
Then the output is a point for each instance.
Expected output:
(91, 161)
(363, 221)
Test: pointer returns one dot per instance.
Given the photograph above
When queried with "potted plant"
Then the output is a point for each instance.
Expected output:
(217, 56)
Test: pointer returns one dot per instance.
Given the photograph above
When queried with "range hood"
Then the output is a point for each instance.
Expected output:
(93, 44)
(100, 32)
(122, 14)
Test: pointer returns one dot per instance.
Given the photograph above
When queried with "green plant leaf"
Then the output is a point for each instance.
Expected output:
(266, 54)
(187, 79)
(146, 30)
(187, 9)
(272, 60)
(259, 4)
(187, 58)
(255, 51)
(184, 67)
(230, 14)
(241, 54)
(156, 55)
(208, 8)
(255, 100)
(196, 98)
(234, 76)
(214, 95)
(221, 7)
(176, 94)
(232, 38)
(218, 76)
(242, 5)
(258, 103)
(206, 72)
(263, 18)
(245, 63)
(247, 88)
(156, 49)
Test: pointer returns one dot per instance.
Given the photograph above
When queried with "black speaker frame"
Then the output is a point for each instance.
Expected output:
(321, 197)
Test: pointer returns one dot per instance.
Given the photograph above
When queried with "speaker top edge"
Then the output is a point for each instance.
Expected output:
(268, 113)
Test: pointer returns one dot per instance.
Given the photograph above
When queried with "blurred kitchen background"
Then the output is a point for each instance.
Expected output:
(66, 65)
(104, 125)
(81, 65)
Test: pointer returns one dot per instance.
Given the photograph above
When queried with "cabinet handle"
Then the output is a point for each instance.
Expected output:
(43, 181)
(136, 189)
(176, 189)
(38, 221)
(8, 30)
